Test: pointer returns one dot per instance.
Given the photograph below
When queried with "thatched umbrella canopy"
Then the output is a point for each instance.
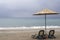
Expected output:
(46, 12)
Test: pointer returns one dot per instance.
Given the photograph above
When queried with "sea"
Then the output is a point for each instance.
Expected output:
(28, 23)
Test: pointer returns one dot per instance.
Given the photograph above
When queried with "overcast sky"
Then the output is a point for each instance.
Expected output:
(26, 8)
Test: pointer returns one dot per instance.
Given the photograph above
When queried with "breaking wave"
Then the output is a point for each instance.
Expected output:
(24, 27)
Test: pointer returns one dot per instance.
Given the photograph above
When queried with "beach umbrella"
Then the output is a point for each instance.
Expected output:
(46, 12)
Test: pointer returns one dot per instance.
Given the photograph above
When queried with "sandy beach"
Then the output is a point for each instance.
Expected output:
(24, 34)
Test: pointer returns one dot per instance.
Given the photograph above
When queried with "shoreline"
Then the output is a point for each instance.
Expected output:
(24, 27)
(20, 28)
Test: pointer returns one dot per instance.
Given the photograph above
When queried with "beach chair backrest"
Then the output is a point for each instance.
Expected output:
(51, 32)
(41, 32)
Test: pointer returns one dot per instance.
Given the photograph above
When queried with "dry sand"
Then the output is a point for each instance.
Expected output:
(24, 34)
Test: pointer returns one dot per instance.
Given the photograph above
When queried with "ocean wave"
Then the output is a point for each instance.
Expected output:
(23, 27)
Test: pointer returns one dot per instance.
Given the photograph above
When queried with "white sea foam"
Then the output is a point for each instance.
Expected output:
(23, 27)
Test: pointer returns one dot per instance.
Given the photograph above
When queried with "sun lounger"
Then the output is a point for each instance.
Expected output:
(51, 34)
(40, 35)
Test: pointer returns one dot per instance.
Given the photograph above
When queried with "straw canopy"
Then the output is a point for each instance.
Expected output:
(46, 12)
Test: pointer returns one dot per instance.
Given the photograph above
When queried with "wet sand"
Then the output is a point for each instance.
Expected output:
(24, 34)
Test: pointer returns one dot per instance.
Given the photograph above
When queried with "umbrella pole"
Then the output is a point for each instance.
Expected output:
(45, 23)
(45, 28)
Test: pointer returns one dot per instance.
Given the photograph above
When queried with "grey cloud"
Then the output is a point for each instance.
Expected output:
(26, 8)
